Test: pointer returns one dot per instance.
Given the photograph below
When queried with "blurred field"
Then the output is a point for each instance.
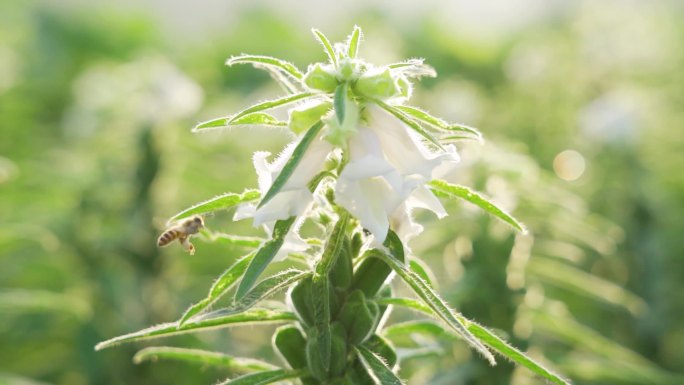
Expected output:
(580, 103)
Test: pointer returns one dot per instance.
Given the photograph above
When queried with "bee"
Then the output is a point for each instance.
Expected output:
(182, 231)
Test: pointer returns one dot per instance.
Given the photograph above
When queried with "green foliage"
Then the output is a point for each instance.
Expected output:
(263, 257)
(447, 190)
(208, 321)
(233, 364)
(221, 202)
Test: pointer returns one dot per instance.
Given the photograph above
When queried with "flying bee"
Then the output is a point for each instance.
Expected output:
(182, 231)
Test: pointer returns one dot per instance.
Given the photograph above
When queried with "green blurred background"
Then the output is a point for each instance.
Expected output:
(580, 102)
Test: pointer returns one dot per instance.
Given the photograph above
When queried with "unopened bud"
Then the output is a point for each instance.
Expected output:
(321, 77)
(378, 84)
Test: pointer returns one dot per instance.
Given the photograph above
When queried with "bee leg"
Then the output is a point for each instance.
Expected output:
(189, 247)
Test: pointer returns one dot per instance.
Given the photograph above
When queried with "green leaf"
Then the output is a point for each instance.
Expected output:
(333, 248)
(515, 355)
(289, 85)
(221, 202)
(234, 364)
(29, 301)
(266, 61)
(268, 287)
(571, 278)
(233, 240)
(406, 330)
(253, 119)
(421, 268)
(340, 102)
(321, 310)
(220, 287)
(432, 299)
(376, 367)
(458, 138)
(264, 256)
(447, 190)
(425, 117)
(263, 378)
(405, 302)
(409, 122)
(568, 330)
(353, 45)
(267, 105)
(414, 68)
(321, 301)
(292, 163)
(485, 335)
(209, 321)
(326, 45)
(258, 119)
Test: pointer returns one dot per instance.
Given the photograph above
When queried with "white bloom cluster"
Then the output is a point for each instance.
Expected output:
(381, 184)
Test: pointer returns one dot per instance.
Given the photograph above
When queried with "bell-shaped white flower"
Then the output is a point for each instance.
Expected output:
(294, 197)
(385, 177)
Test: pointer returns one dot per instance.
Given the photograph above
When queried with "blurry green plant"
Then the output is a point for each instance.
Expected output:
(362, 163)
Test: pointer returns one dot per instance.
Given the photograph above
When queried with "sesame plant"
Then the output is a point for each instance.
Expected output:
(362, 162)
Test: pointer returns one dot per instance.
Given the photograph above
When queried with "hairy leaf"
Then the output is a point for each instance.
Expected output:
(405, 302)
(409, 122)
(233, 240)
(234, 364)
(220, 287)
(264, 256)
(432, 299)
(209, 321)
(485, 335)
(262, 378)
(221, 202)
(353, 44)
(268, 287)
(326, 45)
(414, 68)
(427, 118)
(447, 190)
(421, 268)
(376, 367)
(400, 331)
(513, 354)
(263, 61)
(267, 105)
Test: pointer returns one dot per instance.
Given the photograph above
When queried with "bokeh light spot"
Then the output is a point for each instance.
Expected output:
(569, 165)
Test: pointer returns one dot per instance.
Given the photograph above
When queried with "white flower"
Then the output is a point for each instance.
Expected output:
(294, 197)
(386, 175)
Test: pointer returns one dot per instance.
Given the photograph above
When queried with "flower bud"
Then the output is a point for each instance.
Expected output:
(377, 84)
(301, 119)
(290, 343)
(314, 358)
(321, 77)
(359, 317)
(341, 273)
(338, 350)
(302, 301)
(347, 69)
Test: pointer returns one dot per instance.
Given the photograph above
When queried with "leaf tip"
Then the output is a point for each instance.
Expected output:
(101, 345)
